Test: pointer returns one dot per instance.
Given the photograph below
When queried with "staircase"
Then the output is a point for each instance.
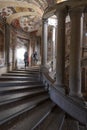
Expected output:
(25, 104)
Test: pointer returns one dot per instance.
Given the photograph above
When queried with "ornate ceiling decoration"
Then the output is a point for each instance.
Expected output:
(27, 23)
(19, 15)
(25, 14)
(6, 12)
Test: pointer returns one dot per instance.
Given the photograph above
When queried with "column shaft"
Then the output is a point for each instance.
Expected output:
(44, 42)
(7, 45)
(60, 58)
(75, 54)
(53, 42)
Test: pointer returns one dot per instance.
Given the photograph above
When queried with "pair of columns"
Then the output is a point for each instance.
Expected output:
(75, 67)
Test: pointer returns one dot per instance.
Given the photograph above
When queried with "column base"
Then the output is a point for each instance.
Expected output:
(73, 94)
(79, 100)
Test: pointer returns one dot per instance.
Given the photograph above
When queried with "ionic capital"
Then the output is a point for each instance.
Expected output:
(75, 12)
(61, 13)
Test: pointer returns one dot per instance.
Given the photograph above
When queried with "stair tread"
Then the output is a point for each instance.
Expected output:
(52, 121)
(70, 124)
(19, 74)
(17, 78)
(33, 117)
(29, 69)
(27, 72)
(17, 83)
(7, 88)
(10, 113)
(10, 98)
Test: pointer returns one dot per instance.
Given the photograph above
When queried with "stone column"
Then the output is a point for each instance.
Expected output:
(7, 45)
(53, 42)
(13, 51)
(60, 57)
(44, 42)
(13, 56)
(30, 53)
(75, 54)
(84, 34)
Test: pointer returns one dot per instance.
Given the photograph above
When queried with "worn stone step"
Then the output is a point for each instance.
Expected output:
(9, 98)
(26, 72)
(20, 88)
(20, 74)
(53, 121)
(33, 117)
(19, 83)
(16, 78)
(17, 91)
(22, 101)
(70, 124)
(29, 69)
(11, 113)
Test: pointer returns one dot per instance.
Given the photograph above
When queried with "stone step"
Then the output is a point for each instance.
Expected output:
(17, 91)
(19, 83)
(70, 124)
(33, 117)
(53, 121)
(10, 114)
(20, 88)
(9, 98)
(20, 74)
(26, 99)
(26, 72)
(29, 69)
(16, 78)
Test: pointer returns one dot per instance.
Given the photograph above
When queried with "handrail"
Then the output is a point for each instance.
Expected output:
(73, 106)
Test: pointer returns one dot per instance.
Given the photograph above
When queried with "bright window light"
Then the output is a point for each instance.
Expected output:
(52, 21)
(58, 1)
(20, 53)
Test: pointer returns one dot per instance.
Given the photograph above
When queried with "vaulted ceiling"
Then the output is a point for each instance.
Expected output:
(24, 14)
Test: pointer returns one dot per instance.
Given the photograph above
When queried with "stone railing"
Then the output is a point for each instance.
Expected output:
(74, 107)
